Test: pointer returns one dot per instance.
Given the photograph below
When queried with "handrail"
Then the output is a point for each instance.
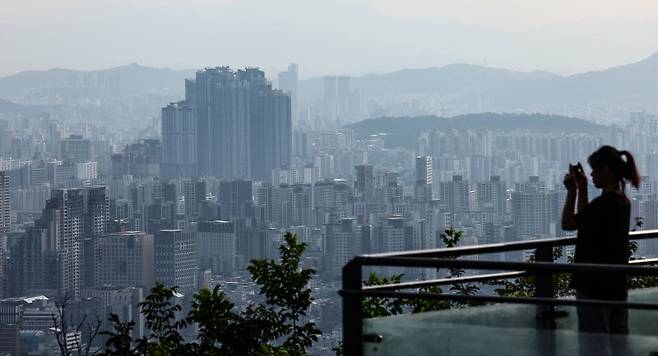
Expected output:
(502, 247)
(500, 265)
(472, 279)
(445, 281)
(499, 299)
(353, 290)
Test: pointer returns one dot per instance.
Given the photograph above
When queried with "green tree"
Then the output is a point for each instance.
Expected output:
(372, 307)
(160, 317)
(120, 341)
(525, 286)
(285, 287)
(451, 238)
(273, 328)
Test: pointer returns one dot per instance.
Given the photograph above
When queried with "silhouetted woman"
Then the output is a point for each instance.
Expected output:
(603, 226)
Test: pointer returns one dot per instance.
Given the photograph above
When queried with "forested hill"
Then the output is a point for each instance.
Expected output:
(10, 108)
(404, 131)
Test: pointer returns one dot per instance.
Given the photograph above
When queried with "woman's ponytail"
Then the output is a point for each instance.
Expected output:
(630, 170)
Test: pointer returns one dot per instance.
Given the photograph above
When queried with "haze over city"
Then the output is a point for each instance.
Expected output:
(327, 37)
(347, 177)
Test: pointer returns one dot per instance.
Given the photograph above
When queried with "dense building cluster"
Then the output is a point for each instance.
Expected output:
(97, 221)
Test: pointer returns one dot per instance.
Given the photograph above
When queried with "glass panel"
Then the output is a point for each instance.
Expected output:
(505, 329)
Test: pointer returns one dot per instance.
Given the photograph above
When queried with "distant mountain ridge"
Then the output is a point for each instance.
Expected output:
(404, 131)
(8, 107)
(508, 90)
(449, 79)
(472, 87)
(133, 80)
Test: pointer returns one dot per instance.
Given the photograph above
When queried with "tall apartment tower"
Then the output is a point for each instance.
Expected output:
(340, 244)
(195, 193)
(28, 263)
(74, 219)
(175, 259)
(393, 239)
(233, 195)
(288, 83)
(179, 145)
(364, 183)
(244, 127)
(531, 209)
(76, 149)
(455, 195)
(216, 246)
(271, 134)
(423, 187)
(492, 196)
(5, 206)
(125, 259)
(292, 205)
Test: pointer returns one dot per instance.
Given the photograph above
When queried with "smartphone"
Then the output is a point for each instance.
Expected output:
(573, 169)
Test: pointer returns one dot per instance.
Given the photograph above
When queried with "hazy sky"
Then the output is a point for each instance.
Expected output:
(326, 36)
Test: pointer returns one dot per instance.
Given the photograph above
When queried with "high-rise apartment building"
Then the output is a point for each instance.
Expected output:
(340, 244)
(5, 203)
(139, 159)
(532, 209)
(455, 195)
(179, 145)
(76, 149)
(86, 170)
(291, 205)
(288, 83)
(194, 192)
(29, 259)
(244, 127)
(424, 170)
(364, 183)
(393, 238)
(74, 219)
(271, 134)
(175, 259)
(492, 196)
(216, 246)
(233, 195)
(125, 259)
(331, 197)
(423, 187)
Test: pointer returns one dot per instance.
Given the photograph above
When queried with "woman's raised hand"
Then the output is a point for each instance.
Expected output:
(570, 182)
(580, 177)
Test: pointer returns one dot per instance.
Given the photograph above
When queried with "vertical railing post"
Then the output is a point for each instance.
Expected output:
(544, 288)
(352, 316)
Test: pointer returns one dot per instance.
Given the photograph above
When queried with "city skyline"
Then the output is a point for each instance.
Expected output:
(272, 166)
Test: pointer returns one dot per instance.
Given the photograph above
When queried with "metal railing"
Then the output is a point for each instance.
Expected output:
(543, 269)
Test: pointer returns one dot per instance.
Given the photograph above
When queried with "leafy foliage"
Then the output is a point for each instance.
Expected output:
(120, 342)
(273, 328)
(284, 285)
(451, 238)
(377, 307)
(637, 282)
(160, 317)
(372, 307)
(425, 305)
(525, 286)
